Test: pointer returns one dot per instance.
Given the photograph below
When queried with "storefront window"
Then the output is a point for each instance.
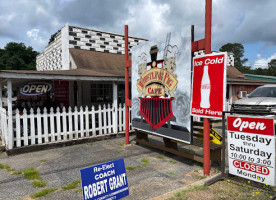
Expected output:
(101, 93)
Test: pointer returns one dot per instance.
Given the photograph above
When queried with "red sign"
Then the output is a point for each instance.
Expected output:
(255, 125)
(209, 85)
(251, 167)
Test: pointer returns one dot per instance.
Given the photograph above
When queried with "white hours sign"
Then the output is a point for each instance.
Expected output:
(251, 148)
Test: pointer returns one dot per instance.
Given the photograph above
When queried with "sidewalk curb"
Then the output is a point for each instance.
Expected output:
(197, 183)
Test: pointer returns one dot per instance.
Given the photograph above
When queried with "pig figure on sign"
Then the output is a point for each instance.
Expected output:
(170, 53)
(142, 68)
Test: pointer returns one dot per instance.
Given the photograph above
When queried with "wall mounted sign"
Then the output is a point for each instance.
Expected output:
(161, 86)
(105, 181)
(251, 148)
(35, 88)
(209, 85)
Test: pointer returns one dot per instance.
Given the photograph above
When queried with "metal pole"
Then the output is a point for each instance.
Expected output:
(126, 87)
(192, 64)
(208, 24)
(223, 145)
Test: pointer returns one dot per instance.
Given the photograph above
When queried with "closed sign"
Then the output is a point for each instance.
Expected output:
(251, 148)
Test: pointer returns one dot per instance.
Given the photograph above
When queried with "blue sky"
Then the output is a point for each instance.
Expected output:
(250, 22)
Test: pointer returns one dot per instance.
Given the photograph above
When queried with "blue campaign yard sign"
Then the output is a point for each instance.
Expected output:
(105, 181)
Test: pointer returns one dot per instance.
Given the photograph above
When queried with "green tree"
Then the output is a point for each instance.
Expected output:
(52, 38)
(238, 50)
(16, 56)
(271, 71)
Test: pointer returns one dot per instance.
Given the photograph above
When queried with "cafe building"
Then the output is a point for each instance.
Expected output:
(76, 91)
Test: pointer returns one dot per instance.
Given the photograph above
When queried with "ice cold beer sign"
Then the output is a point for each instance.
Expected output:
(209, 85)
(251, 148)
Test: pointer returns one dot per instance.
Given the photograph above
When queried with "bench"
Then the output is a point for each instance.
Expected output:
(175, 147)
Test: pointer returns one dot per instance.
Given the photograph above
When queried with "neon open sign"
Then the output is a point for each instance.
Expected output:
(36, 88)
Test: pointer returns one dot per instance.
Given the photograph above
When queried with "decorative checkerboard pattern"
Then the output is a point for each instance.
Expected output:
(92, 40)
(51, 57)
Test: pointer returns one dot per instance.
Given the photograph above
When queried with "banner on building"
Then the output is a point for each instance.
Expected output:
(209, 85)
(251, 148)
(161, 83)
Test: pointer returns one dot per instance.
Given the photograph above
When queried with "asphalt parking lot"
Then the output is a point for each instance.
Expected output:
(150, 173)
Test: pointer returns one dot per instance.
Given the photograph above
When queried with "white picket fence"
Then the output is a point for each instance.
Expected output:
(49, 126)
(3, 126)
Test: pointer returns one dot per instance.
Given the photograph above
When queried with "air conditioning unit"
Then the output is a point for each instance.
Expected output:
(243, 94)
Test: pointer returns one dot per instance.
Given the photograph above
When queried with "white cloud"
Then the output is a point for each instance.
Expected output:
(148, 19)
(33, 34)
(263, 62)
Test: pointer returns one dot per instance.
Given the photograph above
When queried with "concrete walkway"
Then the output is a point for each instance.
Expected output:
(61, 166)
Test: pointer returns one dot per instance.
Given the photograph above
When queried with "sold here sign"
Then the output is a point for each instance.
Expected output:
(251, 148)
(209, 85)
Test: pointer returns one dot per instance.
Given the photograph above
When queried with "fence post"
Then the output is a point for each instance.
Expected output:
(52, 124)
(45, 124)
(109, 123)
(58, 124)
(10, 121)
(93, 121)
(64, 123)
(86, 121)
(25, 127)
(124, 117)
(18, 134)
(120, 118)
(5, 126)
(39, 127)
(81, 123)
(76, 122)
(70, 123)
(32, 126)
(100, 119)
(104, 119)
(115, 108)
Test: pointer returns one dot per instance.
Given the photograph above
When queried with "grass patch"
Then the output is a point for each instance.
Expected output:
(119, 150)
(172, 161)
(160, 157)
(172, 173)
(121, 143)
(131, 167)
(6, 167)
(222, 190)
(39, 183)
(43, 161)
(91, 143)
(71, 185)
(30, 173)
(79, 191)
(183, 194)
(145, 161)
(133, 142)
(43, 193)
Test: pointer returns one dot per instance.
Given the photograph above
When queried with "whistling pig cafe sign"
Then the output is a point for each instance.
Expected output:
(161, 86)
(35, 88)
(251, 148)
(209, 85)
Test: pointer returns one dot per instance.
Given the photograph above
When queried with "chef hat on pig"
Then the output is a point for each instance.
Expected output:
(170, 51)
(142, 58)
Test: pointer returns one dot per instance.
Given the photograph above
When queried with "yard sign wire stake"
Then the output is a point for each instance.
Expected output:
(127, 100)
